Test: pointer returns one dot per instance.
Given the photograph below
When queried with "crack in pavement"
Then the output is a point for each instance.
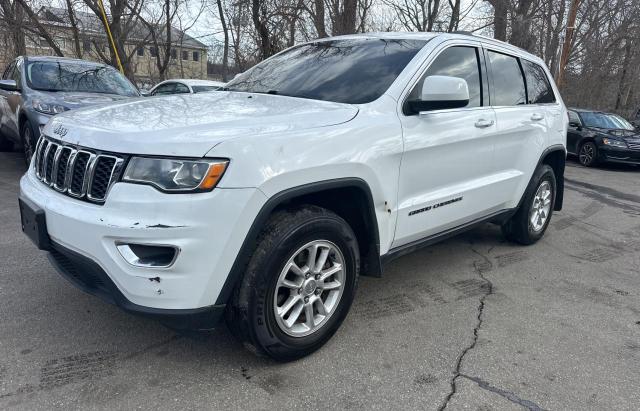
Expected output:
(532, 406)
(480, 269)
(489, 290)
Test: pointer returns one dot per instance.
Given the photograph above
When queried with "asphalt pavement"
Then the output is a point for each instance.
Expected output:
(471, 323)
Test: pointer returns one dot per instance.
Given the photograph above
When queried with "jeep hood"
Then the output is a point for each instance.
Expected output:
(190, 125)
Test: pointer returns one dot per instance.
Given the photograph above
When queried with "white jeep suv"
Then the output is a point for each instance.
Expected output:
(263, 203)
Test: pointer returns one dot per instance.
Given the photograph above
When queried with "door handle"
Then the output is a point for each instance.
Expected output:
(537, 117)
(482, 123)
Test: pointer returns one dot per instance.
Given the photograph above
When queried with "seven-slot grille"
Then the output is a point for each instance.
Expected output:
(79, 173)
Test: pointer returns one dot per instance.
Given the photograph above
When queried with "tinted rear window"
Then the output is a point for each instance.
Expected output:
(347, 71)
(538, 87)
(508, 84)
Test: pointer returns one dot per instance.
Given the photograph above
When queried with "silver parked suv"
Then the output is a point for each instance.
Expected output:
(33, 89)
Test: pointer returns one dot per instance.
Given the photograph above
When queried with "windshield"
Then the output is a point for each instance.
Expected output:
(78, 77)
(351, 71)
(603, 120)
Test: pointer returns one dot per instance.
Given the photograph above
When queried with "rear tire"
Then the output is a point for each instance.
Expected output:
(531, 220)
(288, 304)
(588, 154)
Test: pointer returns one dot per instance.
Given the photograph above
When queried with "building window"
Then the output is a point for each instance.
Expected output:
(140, 51)
(196, 56)
(185, 55)
(174, 54)
(153, 51)
(60, 42)
(86, 45)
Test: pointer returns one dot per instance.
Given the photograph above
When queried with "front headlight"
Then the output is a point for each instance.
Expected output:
(614, 143)
(175, 175)
(48, 108)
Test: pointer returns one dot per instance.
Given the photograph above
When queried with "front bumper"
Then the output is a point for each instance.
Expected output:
(90, 278)
(208, 229)
(618, 155)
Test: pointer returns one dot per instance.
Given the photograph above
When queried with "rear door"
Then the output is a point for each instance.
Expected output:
(522, 126)
(446, 170)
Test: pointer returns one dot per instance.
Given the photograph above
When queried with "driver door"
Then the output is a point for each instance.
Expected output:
(446, 174)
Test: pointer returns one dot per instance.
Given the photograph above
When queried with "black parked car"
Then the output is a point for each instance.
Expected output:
(595, 137)
(33, 89)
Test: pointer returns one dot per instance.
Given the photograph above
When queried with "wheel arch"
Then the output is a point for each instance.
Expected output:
(356, 207)
(555, 157)
(23, 119)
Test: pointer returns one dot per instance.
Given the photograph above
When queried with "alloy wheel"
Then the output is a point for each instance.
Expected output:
(541, 207)
(309, 288)
(587, 153)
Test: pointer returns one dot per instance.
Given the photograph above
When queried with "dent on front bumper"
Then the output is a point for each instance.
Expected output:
(208, 228)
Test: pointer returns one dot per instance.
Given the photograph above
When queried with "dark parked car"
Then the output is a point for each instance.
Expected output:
(595, 137)
(636, 119)
(33, 89)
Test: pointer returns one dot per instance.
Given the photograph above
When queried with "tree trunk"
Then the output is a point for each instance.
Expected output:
(41, 29)
(500, 12)
(623, 77)
(257, 15)
(74, 29)
(455, 16)
(318, 18)
(346, 18)
(225, 52)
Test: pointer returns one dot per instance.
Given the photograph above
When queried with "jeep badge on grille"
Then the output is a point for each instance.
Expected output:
(60, 130)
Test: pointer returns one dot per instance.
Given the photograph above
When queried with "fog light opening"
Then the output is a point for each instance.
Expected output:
(148, 255)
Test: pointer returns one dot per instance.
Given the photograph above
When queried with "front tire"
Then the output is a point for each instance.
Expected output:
(531, 220)
(29, 139)
(298, 286)
(588, 154)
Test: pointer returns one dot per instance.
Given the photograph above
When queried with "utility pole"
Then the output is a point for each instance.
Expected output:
(568, 39)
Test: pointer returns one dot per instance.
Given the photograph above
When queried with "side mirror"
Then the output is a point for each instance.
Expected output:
(441, 92)
(145, 93)
(8, 85)
(574, 124)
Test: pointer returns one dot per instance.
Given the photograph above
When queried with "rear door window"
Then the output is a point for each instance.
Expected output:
(539, 89)
(507, 80)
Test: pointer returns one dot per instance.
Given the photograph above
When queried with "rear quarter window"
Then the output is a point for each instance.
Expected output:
(539, 89)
